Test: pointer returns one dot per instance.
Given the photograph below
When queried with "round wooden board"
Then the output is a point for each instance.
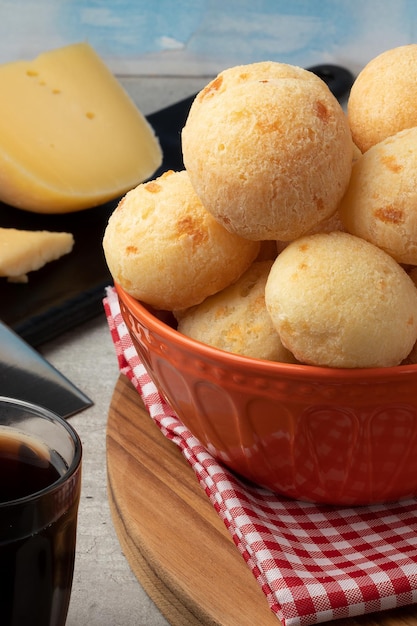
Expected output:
(176, 544)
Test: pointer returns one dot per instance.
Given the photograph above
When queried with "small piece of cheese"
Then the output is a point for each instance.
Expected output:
(23, 251)
(70, 136)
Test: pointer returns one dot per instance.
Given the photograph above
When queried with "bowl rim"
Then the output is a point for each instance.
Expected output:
(272, 368)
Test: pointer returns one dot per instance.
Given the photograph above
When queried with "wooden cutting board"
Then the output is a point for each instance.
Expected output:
(176, 544)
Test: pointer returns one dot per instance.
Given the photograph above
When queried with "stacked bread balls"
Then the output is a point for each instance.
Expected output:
(281, 239)
(380, 204)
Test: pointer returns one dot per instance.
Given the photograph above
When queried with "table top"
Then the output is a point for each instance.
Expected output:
(105, 590)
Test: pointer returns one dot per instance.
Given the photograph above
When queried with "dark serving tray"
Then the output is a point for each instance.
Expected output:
(69, 291)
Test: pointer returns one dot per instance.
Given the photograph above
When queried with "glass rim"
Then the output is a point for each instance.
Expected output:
(44, 412)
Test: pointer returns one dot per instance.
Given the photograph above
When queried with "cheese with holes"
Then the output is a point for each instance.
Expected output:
(70, 136)
(23, 251)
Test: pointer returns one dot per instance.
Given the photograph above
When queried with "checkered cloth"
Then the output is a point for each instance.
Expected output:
(314, 563)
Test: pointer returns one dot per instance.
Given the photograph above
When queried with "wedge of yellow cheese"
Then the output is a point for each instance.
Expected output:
(23, 251)
(70, 136)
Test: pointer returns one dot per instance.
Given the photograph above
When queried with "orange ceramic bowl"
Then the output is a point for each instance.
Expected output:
(335, 436)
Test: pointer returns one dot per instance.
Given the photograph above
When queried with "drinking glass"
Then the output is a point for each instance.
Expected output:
(40, 483)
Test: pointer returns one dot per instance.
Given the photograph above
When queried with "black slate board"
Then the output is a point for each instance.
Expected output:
(69, 291)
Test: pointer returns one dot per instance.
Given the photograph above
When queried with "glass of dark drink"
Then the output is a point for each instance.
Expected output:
(40, 483)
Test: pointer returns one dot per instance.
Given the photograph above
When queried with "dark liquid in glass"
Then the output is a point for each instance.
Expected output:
(37, 538)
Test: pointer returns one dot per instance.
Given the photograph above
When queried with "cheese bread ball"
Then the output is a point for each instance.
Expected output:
(236, 319)
(268, 150)
(380, 204)
(383, 97)
(338, 301)
(166, 250)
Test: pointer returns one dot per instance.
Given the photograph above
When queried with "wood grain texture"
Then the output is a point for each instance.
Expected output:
(176, 544)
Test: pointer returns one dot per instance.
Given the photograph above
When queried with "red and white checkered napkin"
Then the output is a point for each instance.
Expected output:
(314, 563)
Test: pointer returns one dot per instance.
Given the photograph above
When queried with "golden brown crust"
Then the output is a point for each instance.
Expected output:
(383, 97)
(339, 301)
(380, 203)
(165, 249)
(236, 319)
(268, 150)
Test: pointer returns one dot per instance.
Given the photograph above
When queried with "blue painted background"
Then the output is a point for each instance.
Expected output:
(204, 36)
